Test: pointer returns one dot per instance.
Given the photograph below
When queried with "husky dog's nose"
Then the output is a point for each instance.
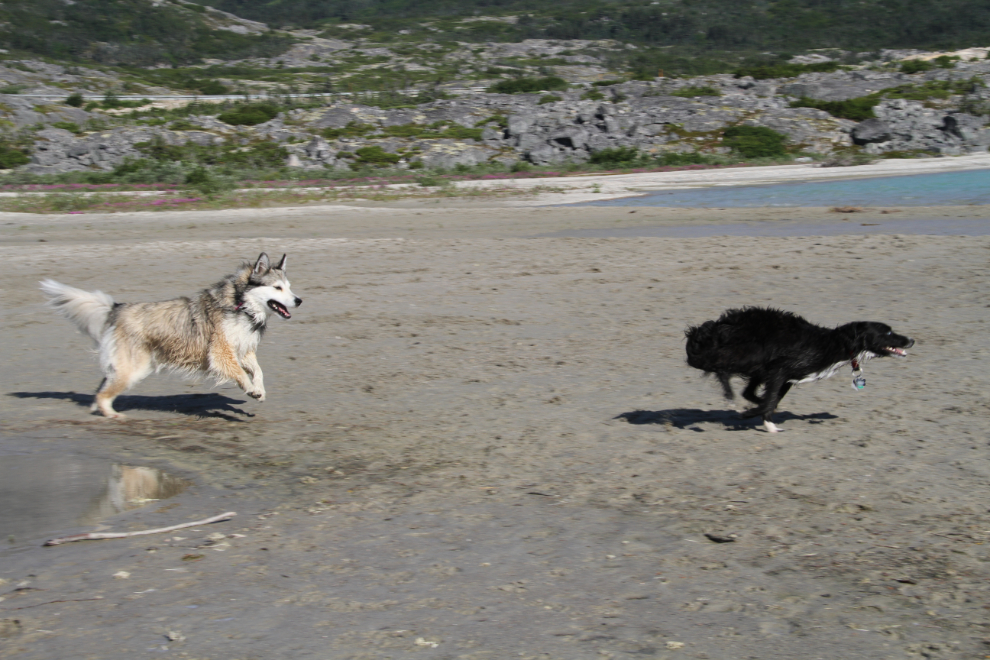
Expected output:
(910, 343)
(299, 302)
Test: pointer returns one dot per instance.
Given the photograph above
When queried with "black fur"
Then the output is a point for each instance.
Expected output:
(775, 349)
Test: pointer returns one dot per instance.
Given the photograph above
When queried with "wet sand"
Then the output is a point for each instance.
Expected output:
(479, 444)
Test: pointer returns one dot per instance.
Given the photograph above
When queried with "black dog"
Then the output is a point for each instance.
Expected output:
(777, 349)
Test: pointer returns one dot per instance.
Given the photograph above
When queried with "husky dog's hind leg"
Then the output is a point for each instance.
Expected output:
(124, 366)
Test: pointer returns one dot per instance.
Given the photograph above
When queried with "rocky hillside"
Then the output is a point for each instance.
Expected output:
(935, 111)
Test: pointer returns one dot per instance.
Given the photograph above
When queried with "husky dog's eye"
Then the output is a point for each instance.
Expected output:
(278, 288)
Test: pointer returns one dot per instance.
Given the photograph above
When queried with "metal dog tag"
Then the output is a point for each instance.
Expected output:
(859, 383)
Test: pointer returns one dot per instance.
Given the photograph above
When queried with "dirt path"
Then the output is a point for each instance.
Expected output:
(483, 446)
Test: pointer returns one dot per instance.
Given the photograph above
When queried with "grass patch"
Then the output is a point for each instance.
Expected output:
(529, 85)
(856, 109)
(251, 114)
(691, 92)
(769, 71)
(755, 141)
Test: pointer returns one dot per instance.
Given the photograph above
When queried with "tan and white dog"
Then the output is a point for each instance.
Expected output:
(216, 333)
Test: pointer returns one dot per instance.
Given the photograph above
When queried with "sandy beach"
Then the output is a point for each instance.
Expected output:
(481, 441)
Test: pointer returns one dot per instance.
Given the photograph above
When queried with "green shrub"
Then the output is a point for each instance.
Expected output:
(529, 85)
(11, 158)
(416, 165)
(251, 114)
(856, 109)
(592, 95)
(915, 66)
(406, 130)
(614, 156)
(184, 125)
(607, 83)
(70, 126)
(458, 132)
(946, 61)
(374, 156)
(785, 70)
(755, 141)
(213, 88)
(548, 98)
(671, 159)
(75, 100)
(500, 120)
(207, 182)
(691, 92)
(12, 89)
(353, 129)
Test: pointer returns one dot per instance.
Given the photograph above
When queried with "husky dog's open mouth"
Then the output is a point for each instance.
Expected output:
(899, 352)
(279, 309)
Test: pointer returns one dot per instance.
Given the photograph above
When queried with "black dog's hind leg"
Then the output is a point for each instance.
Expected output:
(750, 392)
(727, 392)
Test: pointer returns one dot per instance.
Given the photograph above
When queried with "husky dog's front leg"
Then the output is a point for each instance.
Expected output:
(225, 366)
(251, 365)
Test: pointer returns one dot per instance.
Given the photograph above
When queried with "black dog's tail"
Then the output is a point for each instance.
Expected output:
(702, 346)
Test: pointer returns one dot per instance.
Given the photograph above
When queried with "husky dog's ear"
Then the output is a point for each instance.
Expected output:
(281, 264)
(261, 265)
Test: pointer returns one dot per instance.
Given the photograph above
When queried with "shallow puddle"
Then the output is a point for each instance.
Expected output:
(42, 495)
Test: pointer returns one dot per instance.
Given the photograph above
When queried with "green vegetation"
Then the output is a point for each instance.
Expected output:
(11, 157)
(860, 108)
(133, 32)
(856, 109)
(70, 126)
(75, 100)
(755, 141)
(915, 66)
(549, 98)
(250, 114)
(374, 156)
(691, 92)
(785, 70)
(592, 95)
(705, 27)
(353, 129)
(529, 85)
(616, 156)
(12, 89)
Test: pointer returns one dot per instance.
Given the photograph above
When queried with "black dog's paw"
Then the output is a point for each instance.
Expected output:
(752, 412)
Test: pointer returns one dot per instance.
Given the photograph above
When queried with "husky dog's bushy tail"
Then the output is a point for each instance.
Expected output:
(89, 310)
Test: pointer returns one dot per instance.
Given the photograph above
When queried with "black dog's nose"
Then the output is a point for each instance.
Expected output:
(910, 343)
(299, 302)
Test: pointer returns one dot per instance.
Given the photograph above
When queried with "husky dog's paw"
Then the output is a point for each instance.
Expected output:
(257, 394)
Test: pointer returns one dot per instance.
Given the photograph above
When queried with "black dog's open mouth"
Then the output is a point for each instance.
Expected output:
(279, 309)
(899, 352)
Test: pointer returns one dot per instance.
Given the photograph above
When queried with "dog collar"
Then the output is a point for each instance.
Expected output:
(858, 382)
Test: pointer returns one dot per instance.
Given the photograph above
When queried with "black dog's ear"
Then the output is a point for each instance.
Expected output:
(281, 264)
(261, 265)
(853, 335)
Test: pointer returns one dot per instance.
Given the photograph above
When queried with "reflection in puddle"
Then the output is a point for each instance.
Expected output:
(44, 494)
(130, 487)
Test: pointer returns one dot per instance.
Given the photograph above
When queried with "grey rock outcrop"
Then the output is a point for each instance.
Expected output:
(871, 131)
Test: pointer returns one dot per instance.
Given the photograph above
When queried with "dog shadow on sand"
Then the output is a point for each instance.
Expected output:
(208, 404)
(687, 418)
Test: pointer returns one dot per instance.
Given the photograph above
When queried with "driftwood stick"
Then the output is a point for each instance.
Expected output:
(159, 530)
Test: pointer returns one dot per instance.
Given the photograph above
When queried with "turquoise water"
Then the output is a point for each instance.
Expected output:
(943, 189)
